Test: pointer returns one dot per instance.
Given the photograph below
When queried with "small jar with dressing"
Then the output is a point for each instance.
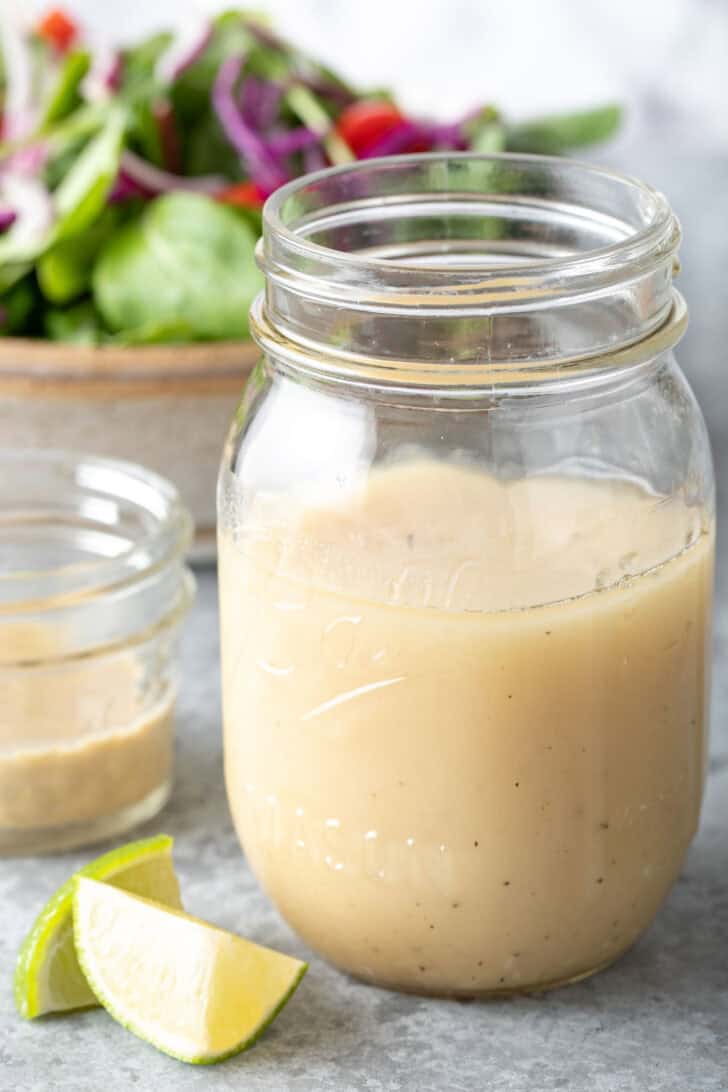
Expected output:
(466, 544)
(93, 588)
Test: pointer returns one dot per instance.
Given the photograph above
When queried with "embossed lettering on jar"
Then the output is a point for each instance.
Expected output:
(466, 553)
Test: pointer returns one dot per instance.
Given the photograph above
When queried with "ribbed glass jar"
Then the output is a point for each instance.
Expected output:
(466, 547)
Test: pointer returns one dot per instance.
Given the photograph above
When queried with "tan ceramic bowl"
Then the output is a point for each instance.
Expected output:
(167, 407)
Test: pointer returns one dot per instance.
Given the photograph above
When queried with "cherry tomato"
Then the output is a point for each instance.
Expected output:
(58, 29)
(244, 194)
(362, 124)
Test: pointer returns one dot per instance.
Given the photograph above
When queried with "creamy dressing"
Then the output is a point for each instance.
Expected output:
(465, 719)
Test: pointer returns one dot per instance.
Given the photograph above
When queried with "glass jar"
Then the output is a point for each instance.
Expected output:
(466, 526)
(93, 587)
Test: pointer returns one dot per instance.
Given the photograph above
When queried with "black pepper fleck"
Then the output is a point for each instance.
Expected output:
(517, 783)
(501, 979)
(476, 844)
(601, 879)
(604, 826)
(422, 968)
(480, 962)
(432, 927)
(455, 905)
(506, 883)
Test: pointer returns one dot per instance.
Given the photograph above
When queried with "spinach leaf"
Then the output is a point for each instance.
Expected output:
(553, 135)
(186, 259)
(16, 307)
(79, 324)
(208, 151)
(64, 273)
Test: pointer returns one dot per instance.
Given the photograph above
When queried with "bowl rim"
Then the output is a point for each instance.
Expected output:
(42, 358)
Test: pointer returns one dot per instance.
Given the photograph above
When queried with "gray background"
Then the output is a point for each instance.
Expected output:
(658, 1020)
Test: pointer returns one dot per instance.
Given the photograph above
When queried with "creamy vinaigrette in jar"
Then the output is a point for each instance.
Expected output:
(464, 718)
(465, 520)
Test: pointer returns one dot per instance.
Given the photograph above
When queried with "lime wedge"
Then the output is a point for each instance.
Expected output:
(190, 989)
(47, 975)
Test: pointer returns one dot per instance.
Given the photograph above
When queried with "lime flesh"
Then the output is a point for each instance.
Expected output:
(190, 989)
(47, 975)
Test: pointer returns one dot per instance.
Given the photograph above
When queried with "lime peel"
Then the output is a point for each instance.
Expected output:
(192, 990)
(47, 975)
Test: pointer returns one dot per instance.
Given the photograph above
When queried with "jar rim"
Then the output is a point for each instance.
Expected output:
(661, 228)
(549, 260)
(75, 528)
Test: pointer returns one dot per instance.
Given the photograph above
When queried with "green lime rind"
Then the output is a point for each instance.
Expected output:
(246, 1044)
(138, 1029)
(48, 977)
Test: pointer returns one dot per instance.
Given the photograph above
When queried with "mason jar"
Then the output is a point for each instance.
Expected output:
(466, 537)
(93, 590)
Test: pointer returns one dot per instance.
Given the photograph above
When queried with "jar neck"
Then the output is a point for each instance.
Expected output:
(467, 270)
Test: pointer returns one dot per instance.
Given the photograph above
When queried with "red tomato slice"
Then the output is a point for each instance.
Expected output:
(58, 29)
(362, 124)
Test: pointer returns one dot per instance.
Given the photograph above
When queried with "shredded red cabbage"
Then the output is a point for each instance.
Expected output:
(261, 165)
(260, 102)
(314, 158)
(7, 218)
(286, 142)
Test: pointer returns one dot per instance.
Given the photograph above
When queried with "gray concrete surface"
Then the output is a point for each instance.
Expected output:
(655, 1022)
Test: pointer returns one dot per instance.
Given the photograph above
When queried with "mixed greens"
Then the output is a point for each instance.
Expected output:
(131, 180)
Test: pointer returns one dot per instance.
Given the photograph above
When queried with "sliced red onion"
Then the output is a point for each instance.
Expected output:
(261, 164)
(186, 47)
(33, 207)
(104, 76)
(20, 110)
(152, 180)
(7, 218)
(125, 188)
(29, 160)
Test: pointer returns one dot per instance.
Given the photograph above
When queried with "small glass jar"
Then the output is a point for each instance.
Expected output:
(466, 526)
(93, 587)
